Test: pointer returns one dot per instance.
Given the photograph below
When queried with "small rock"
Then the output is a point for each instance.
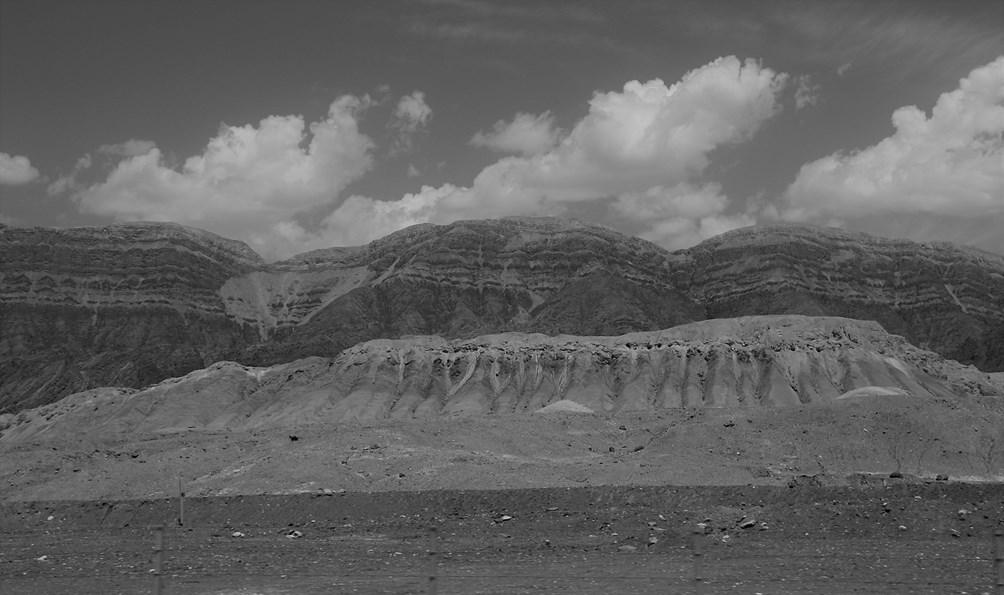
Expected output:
(627, 548)
(749, 524)
(503, 518)
(941, 477)
(294, 534)
(954, 533)
(236, 534)
(763, 526)
(708, 529)
(653, 540)
(50, 518)
(42, 558)
(902, 527)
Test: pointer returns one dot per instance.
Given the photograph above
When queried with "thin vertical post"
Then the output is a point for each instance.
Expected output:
(433, 584)
(158, 560)
(181, 503)
(698, 555)
(999, 561)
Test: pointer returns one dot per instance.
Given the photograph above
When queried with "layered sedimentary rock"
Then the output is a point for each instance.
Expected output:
(122, 305)
(131, 305)
(940, 296)
(755, 362)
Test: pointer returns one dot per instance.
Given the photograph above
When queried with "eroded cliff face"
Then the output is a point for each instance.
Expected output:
(944, 297)
(133, 304)
(122, 305)
(753, 363)
(470, 278)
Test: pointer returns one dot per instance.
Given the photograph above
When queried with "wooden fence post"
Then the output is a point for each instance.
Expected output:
(158, 560)
(433, 585)
(999, 562)
(698, 554)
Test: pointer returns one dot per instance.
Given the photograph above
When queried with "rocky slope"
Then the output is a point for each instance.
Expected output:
(130, 305)
(749, 400)
(122, 305)
(751, 363)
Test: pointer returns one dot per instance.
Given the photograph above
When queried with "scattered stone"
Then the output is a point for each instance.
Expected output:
(763, 526)
(895, 475)
(941, 477)
(653, 540)
(294, 534)
(236, 534)
(502, 518)
(902, 527)
(954, 533)
(44, 558)
(748, 524)
(706, 528)
(627, 549)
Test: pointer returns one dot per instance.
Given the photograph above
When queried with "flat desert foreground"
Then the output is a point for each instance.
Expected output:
(902, 537)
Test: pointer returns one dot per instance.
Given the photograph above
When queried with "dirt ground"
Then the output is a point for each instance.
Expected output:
(933, 537)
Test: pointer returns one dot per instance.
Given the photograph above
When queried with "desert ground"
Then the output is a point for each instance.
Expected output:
(902, 537)
(558, 502)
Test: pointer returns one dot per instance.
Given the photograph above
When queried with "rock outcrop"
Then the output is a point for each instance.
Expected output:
(123, 305)
(751, 363)
(133, 304)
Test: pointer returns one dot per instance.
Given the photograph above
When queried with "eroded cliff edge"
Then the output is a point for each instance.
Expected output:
(751, 363)
(133, 304)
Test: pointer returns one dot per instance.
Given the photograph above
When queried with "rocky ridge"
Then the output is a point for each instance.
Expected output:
(750, 363)
(133, 304)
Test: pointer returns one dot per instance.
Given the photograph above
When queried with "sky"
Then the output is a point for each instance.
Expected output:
(302, 124)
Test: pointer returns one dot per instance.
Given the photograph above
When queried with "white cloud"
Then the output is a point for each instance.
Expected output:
(413, 172)
(129, 148)
(411, 114)
(843, 68)
(526, 134)
(16, 170)
(806, 92)
(248, 183)
(648, 135)
(68, 182)
(951, 163)
(681, 215)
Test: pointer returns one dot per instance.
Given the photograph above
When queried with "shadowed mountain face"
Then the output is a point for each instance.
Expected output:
(133, 304)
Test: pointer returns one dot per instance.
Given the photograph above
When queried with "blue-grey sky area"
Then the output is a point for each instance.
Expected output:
(300, 124)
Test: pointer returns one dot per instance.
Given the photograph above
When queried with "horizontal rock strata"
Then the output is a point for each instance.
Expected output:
(136, 303)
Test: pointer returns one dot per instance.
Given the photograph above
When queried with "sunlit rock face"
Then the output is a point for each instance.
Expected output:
(129, 305)
(751, 363)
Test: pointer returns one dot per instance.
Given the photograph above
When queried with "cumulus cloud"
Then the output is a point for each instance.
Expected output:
(248, 183)
(680, 215)
(16, 170)
(647, 135)
(948, 163)
(526, 133)
(129, 148)
(68, 182)
(411, 114)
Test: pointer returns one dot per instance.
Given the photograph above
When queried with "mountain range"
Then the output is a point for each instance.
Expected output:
(131, 305)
